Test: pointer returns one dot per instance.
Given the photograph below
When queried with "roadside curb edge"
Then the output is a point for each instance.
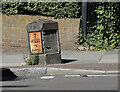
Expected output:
(52, 70)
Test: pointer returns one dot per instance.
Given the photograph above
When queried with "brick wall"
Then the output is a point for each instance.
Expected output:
(14, 34)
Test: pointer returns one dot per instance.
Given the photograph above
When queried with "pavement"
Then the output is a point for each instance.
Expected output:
(73, 62)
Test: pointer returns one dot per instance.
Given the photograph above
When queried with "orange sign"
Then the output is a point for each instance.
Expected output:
(35, 42)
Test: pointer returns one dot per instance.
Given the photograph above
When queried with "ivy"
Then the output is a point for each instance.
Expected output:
(105, 34)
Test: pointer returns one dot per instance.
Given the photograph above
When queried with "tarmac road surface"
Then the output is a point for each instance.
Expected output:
(62, 82)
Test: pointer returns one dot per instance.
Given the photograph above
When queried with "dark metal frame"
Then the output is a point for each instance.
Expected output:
(84, 17)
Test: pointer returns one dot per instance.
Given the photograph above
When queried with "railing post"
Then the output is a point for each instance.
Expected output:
(84, 16)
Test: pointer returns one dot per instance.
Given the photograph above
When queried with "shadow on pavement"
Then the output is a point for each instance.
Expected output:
(7, 74)
(12, 86)
(68, 60)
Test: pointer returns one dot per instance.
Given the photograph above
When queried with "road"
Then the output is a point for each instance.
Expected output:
(60, 82)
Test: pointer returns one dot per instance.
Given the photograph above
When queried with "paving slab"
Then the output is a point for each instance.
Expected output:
(110, 57)
(81, 57)
(68, 57)
(13, 59)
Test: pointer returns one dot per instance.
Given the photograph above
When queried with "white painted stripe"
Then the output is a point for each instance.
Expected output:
(90, 75)
(71, 75)
(47, 77)
(101, 75)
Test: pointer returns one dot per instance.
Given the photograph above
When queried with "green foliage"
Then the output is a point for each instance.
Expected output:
(105, 34)
(53, 9)
(32, 59)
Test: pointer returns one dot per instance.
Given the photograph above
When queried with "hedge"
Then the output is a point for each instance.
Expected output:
(53, 9)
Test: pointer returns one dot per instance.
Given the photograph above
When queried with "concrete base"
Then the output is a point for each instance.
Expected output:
(49, 59)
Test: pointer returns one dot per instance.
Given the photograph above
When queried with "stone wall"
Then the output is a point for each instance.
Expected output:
(14, 34)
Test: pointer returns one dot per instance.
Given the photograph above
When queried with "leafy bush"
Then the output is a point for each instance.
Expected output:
(32, 59)
(105, 34)
(53, 9)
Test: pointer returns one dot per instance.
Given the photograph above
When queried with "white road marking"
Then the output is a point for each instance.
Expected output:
(91, 75)
(47, 77)
(71, 75)
(102, 75)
